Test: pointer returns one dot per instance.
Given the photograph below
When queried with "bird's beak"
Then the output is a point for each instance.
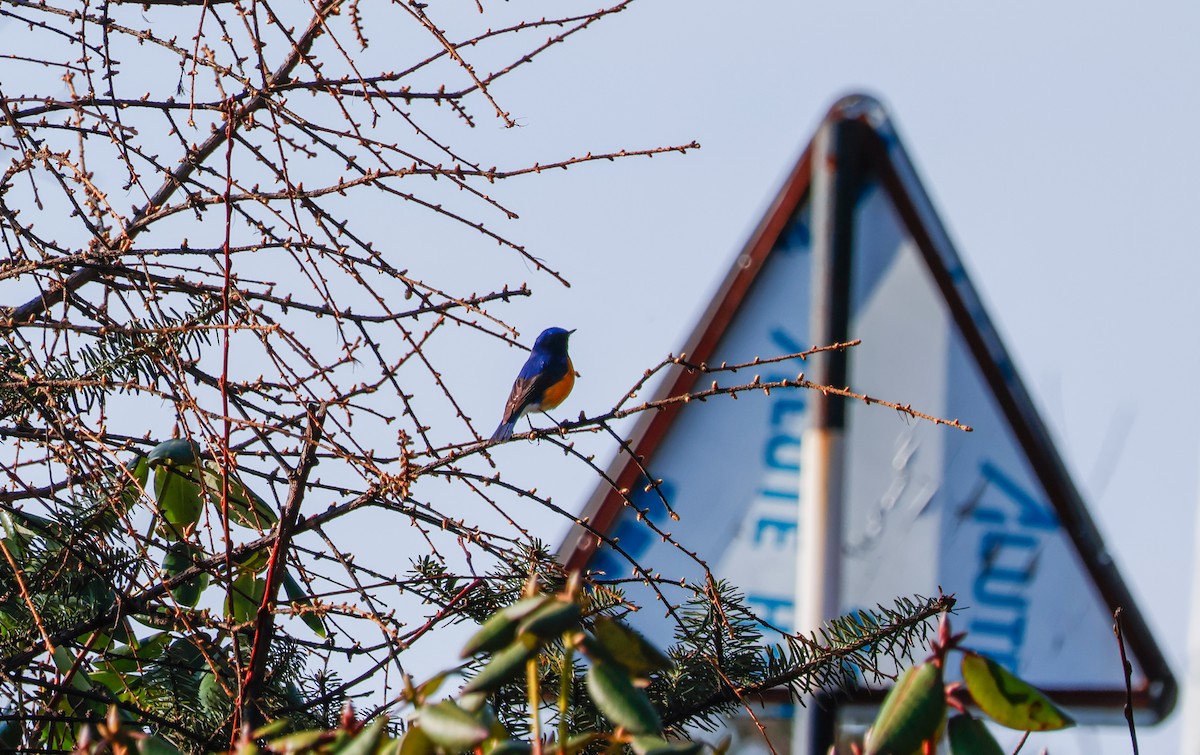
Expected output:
(572, 330)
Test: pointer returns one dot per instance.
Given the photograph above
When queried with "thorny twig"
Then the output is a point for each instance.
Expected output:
(263, 112)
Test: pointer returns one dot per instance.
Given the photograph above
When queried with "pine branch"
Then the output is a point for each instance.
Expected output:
(801, 666)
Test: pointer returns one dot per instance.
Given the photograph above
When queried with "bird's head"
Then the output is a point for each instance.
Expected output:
(553, 340)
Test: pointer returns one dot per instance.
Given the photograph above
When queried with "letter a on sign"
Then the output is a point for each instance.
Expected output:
(815, 505)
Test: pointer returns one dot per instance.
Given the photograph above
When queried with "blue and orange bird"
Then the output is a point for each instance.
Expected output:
(544, 381)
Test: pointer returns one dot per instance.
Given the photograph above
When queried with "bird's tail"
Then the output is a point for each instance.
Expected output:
(505, 431)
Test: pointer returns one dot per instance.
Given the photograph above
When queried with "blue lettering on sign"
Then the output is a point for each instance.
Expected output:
(780, 531)
(779, 482)
(608, 562)
(783, 446)
(773, 527)
(1033, 512)
(775, 611)
(1016, 528)
(1001, 585)
(635, 538)
(797, 237)
(780, 476)
(782, 452)
(780, 338)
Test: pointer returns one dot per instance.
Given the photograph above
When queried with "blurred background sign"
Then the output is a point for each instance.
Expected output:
(816, 505)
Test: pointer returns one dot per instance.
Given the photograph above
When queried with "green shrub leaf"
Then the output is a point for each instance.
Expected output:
(452, 728)
(298, 597)
(500, 629)
(621, 702)
(245, 506)
(1008, 700)
(367, 740)
(415, 742)
(969, 736)
(178, 558)
(504, 664)
(245, 597)
(551, 620)
(629, 648)
(911, 713)
(177, 493)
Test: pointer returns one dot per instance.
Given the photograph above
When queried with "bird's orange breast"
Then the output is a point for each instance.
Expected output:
(557, 393)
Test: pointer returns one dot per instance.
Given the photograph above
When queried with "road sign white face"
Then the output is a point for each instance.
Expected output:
(731, 468)
(989, 516)
(926, 506)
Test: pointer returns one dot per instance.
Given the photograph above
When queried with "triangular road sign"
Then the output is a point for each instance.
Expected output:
(816, 506)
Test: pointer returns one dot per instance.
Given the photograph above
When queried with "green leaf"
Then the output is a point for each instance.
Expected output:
(299, 598)
(579, 742)
(215, 696)
(1008, 700)
(10, 733)
(452, 728)
(508, 747)
(113, 681)
(80, 680)
(174, 451)
(500, 629)
(622, 703)
(470, 701)
(132, 657)
(132, 489)
(969, 736)
(430, 686)
(551, 620)
(177, 494)
(911, 712)
(504, 664)
(243, 601)
(270, 729)
(254, 561)
(19, 532)
(153, 745)
(649, 745)
(63, 661)
(246, 747)
(415, 742)
(245, 506)
(298, 741)
(367, 739)
(185, 653)
(178, 558)
(629, 648)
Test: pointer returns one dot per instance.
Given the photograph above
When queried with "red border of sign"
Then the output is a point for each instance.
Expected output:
(1157, 694)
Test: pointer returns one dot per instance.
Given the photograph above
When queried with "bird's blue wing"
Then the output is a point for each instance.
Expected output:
(528, 387)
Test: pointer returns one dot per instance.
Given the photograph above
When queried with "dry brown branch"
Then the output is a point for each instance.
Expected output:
(250, 691)
(213, 216)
